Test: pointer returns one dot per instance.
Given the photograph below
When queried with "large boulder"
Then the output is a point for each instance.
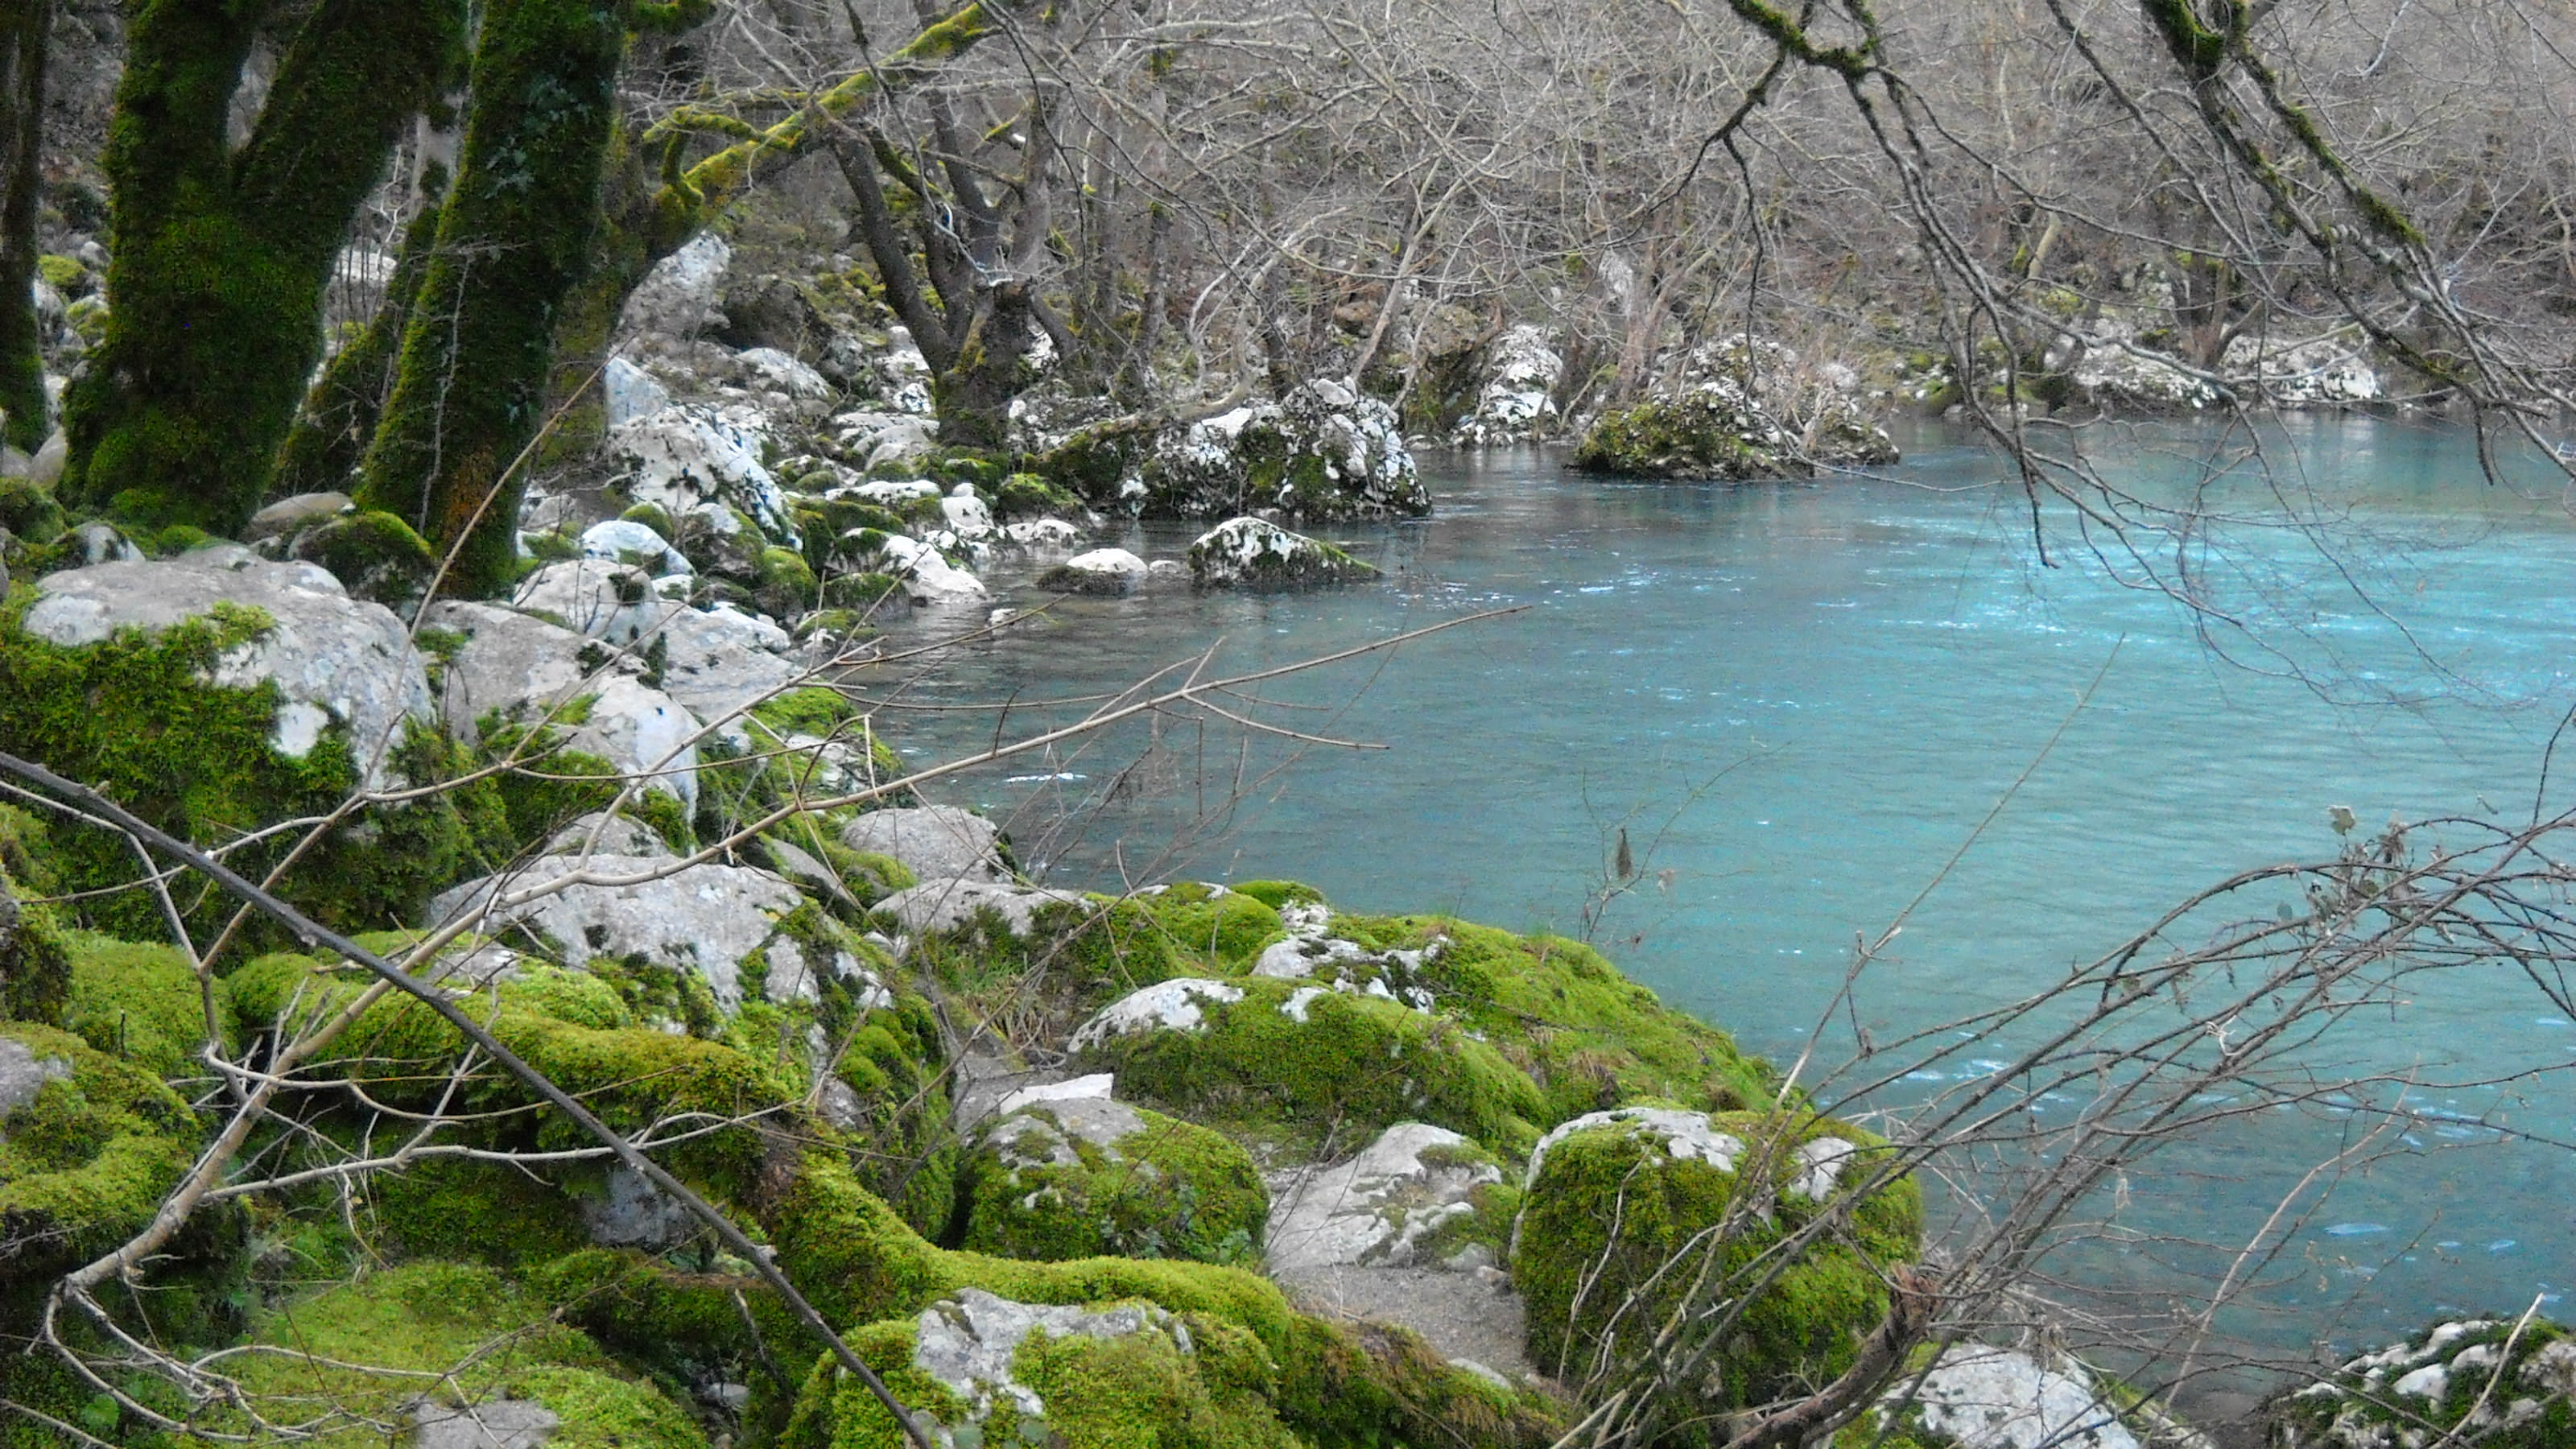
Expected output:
(683, 296)
(934, 842)
(1742, 408)
(1517, 403)
(689, 459)
(1088, 1176)
(1322, 454)
(217, 694)
(1252, 553)
(1979, 1397)
(1103, 571)
(1612, 1198)
(735, 930)
(509, 668)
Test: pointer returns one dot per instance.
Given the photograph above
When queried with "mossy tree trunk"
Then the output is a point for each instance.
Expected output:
(341, 413)
(223, 254)
(515, 243)
(23, 26)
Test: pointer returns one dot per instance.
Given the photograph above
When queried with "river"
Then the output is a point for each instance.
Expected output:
(1800, 700)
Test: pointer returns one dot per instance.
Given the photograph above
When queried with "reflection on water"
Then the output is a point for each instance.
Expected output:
(1799, 700)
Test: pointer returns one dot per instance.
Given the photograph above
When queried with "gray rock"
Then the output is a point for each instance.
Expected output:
(934, 842)
(636, 1214)
(290, 516)
(45, 470)
(1995, 1398)
(500, 1424)
(337, 663)
(721, 661)
(602, 600)
(704, 919)
(1380, 1206)
(950, 904)
(600, 833)
(1517, 403)
(618, 540)
(23, 1074)
(101, 543)
(517, 669)
(1251, 553)
(967, 1344)
(683, 296)
(768, 369)
(1174, 1005)
(1101, 571)
(632, 392)
(687, 458)
(1685, 1135)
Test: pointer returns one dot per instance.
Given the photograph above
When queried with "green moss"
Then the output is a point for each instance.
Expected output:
(1036, 1188)
(134, 716)
(1329, 1383)
(787, 587)
(1611, 1210)
(1356, 1065)
(223, 255)
(35, 961)
(1278, 894)
(375, 554)
(29, 511)
(1225, 930)
(653, 516)
(1589, 1036)
(143, 1004)
(1026, 495)
(1692, 437)
(473, 1212)
(1073, 959)
(484, 1339)
(85, 1164)
(66, 275)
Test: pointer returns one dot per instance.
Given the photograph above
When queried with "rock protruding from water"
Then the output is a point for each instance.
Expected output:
(1743, 408)
(1253, 553)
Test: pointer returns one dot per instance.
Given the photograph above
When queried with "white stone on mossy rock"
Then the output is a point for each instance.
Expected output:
(2498, 1382)
(971, 1343)
(509, 668)
(619, 540)
(338, 664)
(934, 842)
(929, 578)
(600, 598)
(1253, 553)
(1322, 452)
(1517, 403)
(708, 922)
(496, 1424)
(290, 516)
(1086, 1176)
(1175, 1005)
(1106, 571)
(1397, 1204)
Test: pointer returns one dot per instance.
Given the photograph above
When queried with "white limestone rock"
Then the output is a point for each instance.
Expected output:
(23, 1074)
(1103, 571)
(934, 842)
(683, 296)
(1685, 1135)
(618, 541)
(968, 1342)
(1174, 1005)
(1993, 1398)
(1378, 1208)
(929, 578)
(952, 904)
(514, 668)
(632, 392)
(1253, 553)
(1338, 456)
(704, 920)
(338, 663)
(690, 459)
(1517, 403)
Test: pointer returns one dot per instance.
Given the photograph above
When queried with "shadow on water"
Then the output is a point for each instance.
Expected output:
(1872, 663)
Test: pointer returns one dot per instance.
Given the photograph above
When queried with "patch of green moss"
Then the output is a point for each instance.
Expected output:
(66, 275)
(1693, 437)
(35, 960)
(1026, 495)
(1278, 894)
(1589, 1036)
(86, 1162)
(1355, 1065)
(1612, 1212)
(30, 512)
(1035, 1188)
(1225, 930)
(1073, 959)
(472, 1212)
(482, 1337)
(142, 1004)
(375, 554)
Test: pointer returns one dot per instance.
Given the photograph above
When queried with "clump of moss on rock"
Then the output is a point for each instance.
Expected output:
(1614, 1199)
(2491, 1381)
(1088, 1177)
(88, 1147)
(142, 1003)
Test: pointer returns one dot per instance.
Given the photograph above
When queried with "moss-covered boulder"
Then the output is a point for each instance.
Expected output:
(430, 1343)
(216, 695)
(1614, 1199)
(1322, 453)
(1084, 1177)
(88, 1147)
(1307, 1063)
(143, 1003)
(35, 963)
(2488, 1381)
(1327, 1383)
(1047, 957)
(1743, 408)
(1251, 553)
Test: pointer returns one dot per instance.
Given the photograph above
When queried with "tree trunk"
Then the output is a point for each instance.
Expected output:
(23, 27)
(515, 240)
(223, 256)
(340, 415)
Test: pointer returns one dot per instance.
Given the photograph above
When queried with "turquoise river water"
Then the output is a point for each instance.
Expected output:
(1800, 700)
